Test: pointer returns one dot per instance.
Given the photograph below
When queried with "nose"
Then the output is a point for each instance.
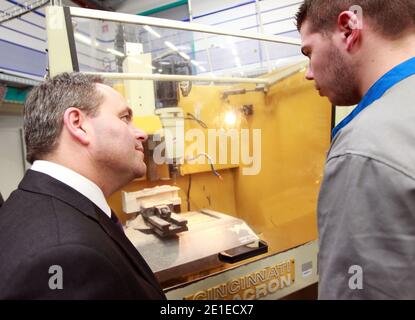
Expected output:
(309, 75)
(140, 135)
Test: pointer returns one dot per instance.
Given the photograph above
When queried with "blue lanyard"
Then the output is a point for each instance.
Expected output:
(396, 75)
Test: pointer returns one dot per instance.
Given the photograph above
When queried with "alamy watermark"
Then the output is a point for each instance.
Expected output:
(224, 146)
(356, 23)
(56, 280)
(356, 280)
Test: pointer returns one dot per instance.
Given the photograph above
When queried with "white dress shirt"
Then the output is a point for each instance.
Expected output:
(75, 181)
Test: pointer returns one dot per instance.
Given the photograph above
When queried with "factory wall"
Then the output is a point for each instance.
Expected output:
(23, 43)
(23, 40)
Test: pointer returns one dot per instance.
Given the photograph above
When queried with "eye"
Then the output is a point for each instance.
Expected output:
(306, 52)
(126, 118)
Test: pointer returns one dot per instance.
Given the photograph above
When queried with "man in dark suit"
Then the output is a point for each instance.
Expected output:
(58, 237)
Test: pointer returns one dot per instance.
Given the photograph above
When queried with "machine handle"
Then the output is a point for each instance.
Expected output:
(242, 252)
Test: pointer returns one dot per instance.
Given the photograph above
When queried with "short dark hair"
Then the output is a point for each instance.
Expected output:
(46, 104)
(390, 18)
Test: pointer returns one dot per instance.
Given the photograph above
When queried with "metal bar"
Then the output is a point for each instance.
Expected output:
(287, 73)
(22, 144)
(169, 77)
(172, 24)
(264, 46)
(189, 8)
(209, 57)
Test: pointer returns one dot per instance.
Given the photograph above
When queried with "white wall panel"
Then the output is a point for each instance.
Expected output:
(202, 7)
(23, 43)
(235, 14)
(279, 14)
(280, 27)
(134, 6)
(22, 39)
(22, 27)
(273, 4)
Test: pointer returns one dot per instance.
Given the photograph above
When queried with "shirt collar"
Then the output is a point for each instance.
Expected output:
(76, 181)
(391, 78)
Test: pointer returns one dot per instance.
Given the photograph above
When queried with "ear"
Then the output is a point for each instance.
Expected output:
(74, 122)
(350, 24)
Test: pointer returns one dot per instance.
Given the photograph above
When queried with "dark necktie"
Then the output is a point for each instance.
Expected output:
(114, 218)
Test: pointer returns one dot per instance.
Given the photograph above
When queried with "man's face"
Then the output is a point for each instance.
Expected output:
(330, 67)
(116, 145)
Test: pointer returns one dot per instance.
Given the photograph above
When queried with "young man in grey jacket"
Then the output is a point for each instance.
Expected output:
(362, 52)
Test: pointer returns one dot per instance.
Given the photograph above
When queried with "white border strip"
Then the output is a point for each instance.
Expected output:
(172, 24)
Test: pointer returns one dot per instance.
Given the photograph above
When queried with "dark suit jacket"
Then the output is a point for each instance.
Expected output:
(45, 223)
(1, 200)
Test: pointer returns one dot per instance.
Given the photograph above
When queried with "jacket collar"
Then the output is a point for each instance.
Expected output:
(41, 183)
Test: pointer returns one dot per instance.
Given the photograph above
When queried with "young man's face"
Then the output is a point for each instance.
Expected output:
(117, 144)
(330, 67)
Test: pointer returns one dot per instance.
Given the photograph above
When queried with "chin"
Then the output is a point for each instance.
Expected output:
(340, 101)
(140, 171)
(344, 100)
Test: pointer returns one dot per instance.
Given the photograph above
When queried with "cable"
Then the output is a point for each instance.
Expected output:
(188, 192)
(210, 162)
(192, 117)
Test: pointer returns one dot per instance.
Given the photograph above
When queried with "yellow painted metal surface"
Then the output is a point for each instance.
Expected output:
(150, 124)
(206, 102)
(281, 201)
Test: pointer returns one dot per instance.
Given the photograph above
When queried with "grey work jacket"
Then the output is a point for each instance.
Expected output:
(366, 209)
